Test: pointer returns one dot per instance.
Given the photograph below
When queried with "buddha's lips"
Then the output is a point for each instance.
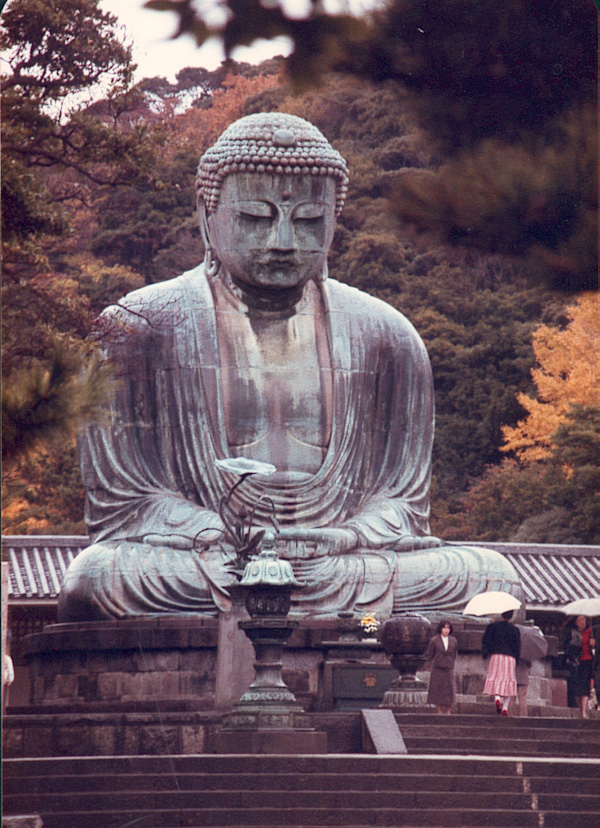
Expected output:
(287, 263)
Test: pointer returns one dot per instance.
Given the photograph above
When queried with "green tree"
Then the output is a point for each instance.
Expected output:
(577, 442)
(143, 227)
(494, 507)
(57, 156)
(59, 53)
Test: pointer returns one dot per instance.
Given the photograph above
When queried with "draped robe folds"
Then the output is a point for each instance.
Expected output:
(153, 487)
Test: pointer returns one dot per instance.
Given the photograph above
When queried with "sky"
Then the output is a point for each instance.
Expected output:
(156, 54)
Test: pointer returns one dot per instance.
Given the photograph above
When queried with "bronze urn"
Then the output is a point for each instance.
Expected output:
(404, 638)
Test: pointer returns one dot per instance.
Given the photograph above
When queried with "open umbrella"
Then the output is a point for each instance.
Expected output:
(491, 603)
(533, 643)
(583, 606)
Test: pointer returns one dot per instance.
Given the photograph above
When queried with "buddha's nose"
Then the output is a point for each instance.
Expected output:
(283, 234)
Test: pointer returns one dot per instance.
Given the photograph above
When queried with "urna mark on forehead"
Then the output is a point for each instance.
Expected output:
(275, 143)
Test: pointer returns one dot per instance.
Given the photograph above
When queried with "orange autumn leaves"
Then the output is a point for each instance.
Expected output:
(568, 374)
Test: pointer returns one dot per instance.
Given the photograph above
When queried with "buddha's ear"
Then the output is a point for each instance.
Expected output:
(203, 220)
(211, 260)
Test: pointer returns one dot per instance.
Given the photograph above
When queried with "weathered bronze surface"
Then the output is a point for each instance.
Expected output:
(256, 353)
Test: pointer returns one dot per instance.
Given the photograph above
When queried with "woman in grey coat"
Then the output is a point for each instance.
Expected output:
(442, 652)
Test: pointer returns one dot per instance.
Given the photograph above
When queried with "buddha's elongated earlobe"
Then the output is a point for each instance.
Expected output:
(211, 260)
(324, 274)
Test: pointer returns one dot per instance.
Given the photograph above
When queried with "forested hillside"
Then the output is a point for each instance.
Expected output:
(99, 199)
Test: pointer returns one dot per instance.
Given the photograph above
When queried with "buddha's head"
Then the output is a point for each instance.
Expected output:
(269, 192)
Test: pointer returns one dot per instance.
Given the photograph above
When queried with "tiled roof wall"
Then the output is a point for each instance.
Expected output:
(551, 575)
(37, 563)
(554, 575)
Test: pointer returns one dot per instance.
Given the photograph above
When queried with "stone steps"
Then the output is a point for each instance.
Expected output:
(489, 718)
(435, 817)
(233, 799)
(282, 782)
(494, 735)
(346, 790)
(499, 747)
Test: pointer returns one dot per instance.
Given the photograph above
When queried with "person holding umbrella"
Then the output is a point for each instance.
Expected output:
(502, 642)
(577, 648)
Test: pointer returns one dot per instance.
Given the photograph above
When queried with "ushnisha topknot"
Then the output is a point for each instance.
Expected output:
(271, 142)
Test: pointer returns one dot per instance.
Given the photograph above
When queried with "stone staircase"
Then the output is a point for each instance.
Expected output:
(462, 771)
(493, 735)
(276, 791)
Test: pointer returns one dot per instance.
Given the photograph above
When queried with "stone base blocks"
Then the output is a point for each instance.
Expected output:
(100, 665)
(124, 665)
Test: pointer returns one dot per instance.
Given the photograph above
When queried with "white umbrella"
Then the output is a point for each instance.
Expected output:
(582, 606)
(491, 603)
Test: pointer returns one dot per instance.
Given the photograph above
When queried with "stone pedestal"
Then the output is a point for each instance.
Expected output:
(405, 694)
(267, 718)
(405, 638)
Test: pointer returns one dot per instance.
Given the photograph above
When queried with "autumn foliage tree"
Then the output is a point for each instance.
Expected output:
(567, 375)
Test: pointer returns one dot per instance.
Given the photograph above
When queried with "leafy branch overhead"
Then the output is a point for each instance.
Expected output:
(319, 39)
(42, 404)
(504, 90)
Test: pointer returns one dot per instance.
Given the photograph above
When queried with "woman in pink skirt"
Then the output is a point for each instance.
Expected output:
(501, 641)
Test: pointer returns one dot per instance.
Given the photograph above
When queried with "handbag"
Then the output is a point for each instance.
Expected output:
(573, 650)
